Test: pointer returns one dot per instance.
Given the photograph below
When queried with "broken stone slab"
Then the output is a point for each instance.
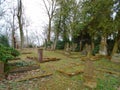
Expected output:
(32, 77)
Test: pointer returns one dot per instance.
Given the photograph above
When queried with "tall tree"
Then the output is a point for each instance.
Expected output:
(116, 27)
(50, 6)
(97, 17)
(20, 22)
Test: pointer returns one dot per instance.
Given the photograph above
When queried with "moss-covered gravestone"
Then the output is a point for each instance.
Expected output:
(1, 70)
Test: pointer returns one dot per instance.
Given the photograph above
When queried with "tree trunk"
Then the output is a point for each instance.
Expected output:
(115, 48)
(117, 40)
(55, 43)
(20, 23)
(13, 31)
(80, 46)
(21, 33)
(27, 38)
(49, 30)
(103, 46)
(13, 38)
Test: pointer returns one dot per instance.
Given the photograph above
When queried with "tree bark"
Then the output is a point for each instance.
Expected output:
(103, 46)
(117, 40)
(49, 30)
(19, 15)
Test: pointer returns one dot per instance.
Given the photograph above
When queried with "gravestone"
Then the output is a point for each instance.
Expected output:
(85, 51)
(67, 49)
(40, 55)
(89, 75)
(116, 58)
(1, 70)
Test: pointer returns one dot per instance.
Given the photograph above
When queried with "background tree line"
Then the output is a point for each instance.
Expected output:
(77, 23)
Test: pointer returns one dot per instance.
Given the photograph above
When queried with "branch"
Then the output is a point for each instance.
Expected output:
(48, 11)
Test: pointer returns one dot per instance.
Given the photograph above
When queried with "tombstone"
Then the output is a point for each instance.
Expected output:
(116, 58)
(40, 55)
(89, 75)
(1, 70)
(103, 48)
(67, 49)
(84, 52)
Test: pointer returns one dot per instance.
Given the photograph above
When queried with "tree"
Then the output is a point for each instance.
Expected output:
(97, 17)
(50, 6)
(20, 22)
(116, 26)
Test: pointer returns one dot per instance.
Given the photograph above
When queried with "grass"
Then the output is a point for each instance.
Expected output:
(59, 81)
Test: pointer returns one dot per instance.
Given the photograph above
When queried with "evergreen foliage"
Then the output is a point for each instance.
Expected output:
(4, 40)
(7, 53)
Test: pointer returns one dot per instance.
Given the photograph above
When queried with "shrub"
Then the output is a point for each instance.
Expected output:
(7, 53)
(60, 44)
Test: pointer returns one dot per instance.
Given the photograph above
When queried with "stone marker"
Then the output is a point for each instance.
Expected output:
(40, 55)
(89, 75)
(1, 70)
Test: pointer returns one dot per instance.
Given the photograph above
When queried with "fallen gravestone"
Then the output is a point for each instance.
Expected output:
(72, 70)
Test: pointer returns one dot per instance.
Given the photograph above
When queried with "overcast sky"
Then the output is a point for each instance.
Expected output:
(36, 15)
(35, 11)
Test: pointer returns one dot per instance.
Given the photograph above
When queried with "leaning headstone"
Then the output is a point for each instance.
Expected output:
(116, 58)
(89, 75)
(40, 55)
(1, 70)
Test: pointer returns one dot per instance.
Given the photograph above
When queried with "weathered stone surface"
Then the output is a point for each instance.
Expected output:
(116, 58)
(40, 55)
(1, 67)
(1, 70)
(103, 48)
(89, 75)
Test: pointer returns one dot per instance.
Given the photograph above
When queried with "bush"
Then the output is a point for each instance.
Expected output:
(7, 53)
(60, 44)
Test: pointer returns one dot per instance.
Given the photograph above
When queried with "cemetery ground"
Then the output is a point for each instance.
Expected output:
(61, 71)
